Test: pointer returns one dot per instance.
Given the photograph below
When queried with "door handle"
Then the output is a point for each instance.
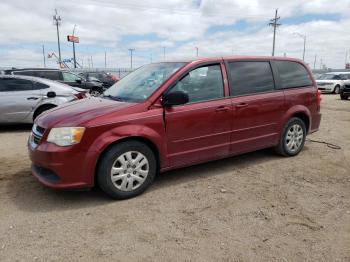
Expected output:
(240, 105)
(222, 108)
(32, 98)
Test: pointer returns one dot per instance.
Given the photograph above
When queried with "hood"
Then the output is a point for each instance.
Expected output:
(81, 112)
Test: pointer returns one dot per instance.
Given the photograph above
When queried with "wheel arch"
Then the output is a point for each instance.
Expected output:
(301, 112)
(140, 139)
(46, 105)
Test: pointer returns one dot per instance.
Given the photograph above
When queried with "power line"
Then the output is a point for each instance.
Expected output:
(274, 24)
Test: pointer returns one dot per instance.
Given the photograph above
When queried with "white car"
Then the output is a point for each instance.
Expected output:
(23, 98)
(332, 82)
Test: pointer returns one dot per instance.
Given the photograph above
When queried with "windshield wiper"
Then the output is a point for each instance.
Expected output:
(115, 98)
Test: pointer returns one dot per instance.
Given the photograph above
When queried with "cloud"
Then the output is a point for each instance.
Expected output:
(180, 25)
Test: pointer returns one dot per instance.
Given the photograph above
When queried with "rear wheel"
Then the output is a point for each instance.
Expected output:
(343, 97)
(41, 110)
(127, 169)
(292, 139)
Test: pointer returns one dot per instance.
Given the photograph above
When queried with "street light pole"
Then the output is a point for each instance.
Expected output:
(131, 50)
(44, 56)
(57, 23)
(196, 51)
(75, 61)
(304, 38)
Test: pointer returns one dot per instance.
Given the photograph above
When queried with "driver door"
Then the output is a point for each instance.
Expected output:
(199, 130)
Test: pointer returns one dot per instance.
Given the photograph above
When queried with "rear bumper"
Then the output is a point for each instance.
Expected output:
(315, 122)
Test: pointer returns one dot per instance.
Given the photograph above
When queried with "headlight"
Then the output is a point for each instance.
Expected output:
(66, 136)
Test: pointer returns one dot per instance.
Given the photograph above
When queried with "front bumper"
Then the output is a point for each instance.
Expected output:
(61, 167)
(326, 88)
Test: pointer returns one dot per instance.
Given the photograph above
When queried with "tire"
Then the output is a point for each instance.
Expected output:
(130, 178)
(41, 110)
(295, 132)
(96, 91)
(343, 97)
(336, 89)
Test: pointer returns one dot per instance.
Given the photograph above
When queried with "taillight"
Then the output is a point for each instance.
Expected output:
(80, 95)
(318, 99)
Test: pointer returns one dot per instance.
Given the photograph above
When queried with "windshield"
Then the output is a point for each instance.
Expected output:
(328, 77)
(140, 84)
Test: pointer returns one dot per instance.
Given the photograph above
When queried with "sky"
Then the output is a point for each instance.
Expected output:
(215, 27)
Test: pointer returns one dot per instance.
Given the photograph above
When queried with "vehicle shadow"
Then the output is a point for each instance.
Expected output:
(15, 128)
(29, 195)
(209, 169)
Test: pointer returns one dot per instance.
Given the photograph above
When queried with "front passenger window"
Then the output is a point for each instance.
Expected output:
(202, 84)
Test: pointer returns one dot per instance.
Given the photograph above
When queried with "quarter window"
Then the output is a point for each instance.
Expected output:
(202, 84)
(292, 74)
(250, 77)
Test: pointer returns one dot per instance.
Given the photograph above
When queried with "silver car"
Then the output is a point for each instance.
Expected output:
(23, 98)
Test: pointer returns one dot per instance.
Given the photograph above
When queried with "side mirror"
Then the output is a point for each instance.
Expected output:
(78, 81)
(175, 98)
(51, 94)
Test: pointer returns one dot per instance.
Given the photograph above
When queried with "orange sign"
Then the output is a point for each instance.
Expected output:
(72, 38)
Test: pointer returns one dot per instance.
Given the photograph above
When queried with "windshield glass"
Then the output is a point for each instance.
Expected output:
(140, 84)
(327, 77)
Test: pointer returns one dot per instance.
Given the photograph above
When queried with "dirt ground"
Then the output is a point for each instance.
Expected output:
(255, 207)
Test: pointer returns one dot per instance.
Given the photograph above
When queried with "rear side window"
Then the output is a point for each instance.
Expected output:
(53, 75)
(292, 74)
(13, 84)
(250, 77)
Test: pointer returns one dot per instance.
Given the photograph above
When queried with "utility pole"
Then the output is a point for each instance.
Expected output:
(321, 63)
(44, 56)
(131, 50)
(164, 53)
(196, 51)
(105, 59)
(57, 23)
(315, 61)
(92, 63)
(274, 24)
(75, 61)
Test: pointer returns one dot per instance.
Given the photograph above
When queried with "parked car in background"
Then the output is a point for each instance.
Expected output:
(168, 115)
(24, 98)
(64, 76)
(332, 82)
(345, 91)
(107, 79)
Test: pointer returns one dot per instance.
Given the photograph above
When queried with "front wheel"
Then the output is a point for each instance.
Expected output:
(292, 139)
(343, 97)
(96, 91)
(127, 169)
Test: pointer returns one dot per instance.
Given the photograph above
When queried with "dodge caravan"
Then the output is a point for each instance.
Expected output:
(174, 114)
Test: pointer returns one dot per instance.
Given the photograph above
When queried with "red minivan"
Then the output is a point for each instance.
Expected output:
(174, 114)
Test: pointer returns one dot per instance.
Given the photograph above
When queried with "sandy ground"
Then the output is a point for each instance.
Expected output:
(255, 207)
